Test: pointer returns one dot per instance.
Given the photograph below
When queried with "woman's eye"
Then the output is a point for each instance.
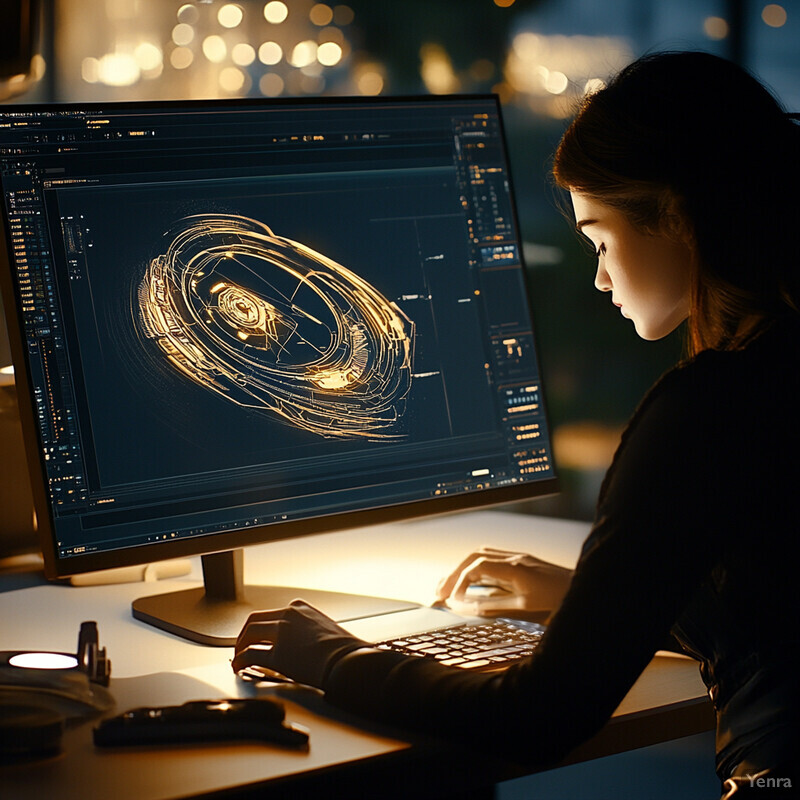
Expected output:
(601, 251)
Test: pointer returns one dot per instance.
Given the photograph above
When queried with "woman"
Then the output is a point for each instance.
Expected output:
(683, 173)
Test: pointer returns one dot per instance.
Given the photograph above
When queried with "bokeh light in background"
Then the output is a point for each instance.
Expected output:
(157, 49)
(537, 54)
(774, 15)
(165, 50)
(551, 70)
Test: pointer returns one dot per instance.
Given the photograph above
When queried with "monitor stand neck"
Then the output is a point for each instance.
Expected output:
(215, 613)
(223, 576)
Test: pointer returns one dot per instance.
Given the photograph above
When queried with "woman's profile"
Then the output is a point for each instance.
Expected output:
(684, 175)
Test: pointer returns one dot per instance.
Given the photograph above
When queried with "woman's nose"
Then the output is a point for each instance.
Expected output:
(601, 279)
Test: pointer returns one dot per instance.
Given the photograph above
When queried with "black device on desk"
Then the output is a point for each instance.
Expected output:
(260, 719)
(236, 322)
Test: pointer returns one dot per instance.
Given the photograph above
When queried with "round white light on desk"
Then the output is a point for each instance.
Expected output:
(43, 661)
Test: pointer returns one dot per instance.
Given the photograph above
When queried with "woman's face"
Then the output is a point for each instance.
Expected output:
(648, 275)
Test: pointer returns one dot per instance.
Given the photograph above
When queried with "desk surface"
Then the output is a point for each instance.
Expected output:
(150, 667)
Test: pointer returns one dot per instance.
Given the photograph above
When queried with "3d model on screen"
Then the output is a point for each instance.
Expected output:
(272, 324)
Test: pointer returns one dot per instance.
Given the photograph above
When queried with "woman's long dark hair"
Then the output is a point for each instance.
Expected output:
(692, 144)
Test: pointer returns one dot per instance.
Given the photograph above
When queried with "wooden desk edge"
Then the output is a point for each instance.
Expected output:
(627, 732)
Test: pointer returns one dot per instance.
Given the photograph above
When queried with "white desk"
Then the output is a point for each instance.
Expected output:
(150, 667)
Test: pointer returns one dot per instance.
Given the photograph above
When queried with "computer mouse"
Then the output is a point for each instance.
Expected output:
(478, 592)
(485, 599)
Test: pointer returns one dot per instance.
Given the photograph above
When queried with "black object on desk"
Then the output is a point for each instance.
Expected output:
(201, 721)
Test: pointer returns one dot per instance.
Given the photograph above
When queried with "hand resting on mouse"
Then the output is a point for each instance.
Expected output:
(492, 582)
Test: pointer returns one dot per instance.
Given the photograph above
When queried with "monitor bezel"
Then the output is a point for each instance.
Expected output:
(57, 567)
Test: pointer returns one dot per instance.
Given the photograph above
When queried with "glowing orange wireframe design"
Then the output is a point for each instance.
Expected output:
(272, 324)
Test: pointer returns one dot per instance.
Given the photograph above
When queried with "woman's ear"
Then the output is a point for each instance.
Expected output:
(675, 223)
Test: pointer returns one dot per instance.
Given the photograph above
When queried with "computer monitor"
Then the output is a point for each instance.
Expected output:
(236, 322)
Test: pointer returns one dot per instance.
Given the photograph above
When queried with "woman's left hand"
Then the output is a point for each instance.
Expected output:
(304, 643)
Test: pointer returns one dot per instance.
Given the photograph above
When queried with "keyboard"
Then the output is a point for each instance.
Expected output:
(483, 646)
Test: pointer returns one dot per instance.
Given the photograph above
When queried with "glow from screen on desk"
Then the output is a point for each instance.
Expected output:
(43, 661)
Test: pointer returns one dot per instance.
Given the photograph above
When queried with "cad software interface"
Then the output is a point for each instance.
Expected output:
(240, 314)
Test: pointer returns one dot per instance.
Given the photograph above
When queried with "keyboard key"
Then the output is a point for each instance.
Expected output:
(484, 662)
(490, 645)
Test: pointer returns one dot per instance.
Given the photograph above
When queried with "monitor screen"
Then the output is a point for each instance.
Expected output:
(243, 321)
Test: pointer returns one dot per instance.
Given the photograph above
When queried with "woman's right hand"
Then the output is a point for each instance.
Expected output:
(518, 582)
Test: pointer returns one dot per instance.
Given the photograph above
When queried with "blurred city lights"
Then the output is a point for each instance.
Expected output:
(243, 54)
(296, 47)
(181, 57)
(214, 48)
(329, 54)
(188, 13)
(542, 68)
(148, 56)
(90, 70)
(230, 15)
(182, 34)
(38, 67)
(270, 84)
(221, 47)
(556, 82)
(774, 15)
(118, 69)
(331, 34)
(343, 15)
(231, 79)
(304, 53)
(321, 15)
(369, 79)
(437, 70)
(270, 53)
(716, 28)
(275, 12)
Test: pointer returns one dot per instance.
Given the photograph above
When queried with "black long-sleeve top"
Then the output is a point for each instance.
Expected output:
(693, 535)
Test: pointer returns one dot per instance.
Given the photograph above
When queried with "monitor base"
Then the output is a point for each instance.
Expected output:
(215, 613)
